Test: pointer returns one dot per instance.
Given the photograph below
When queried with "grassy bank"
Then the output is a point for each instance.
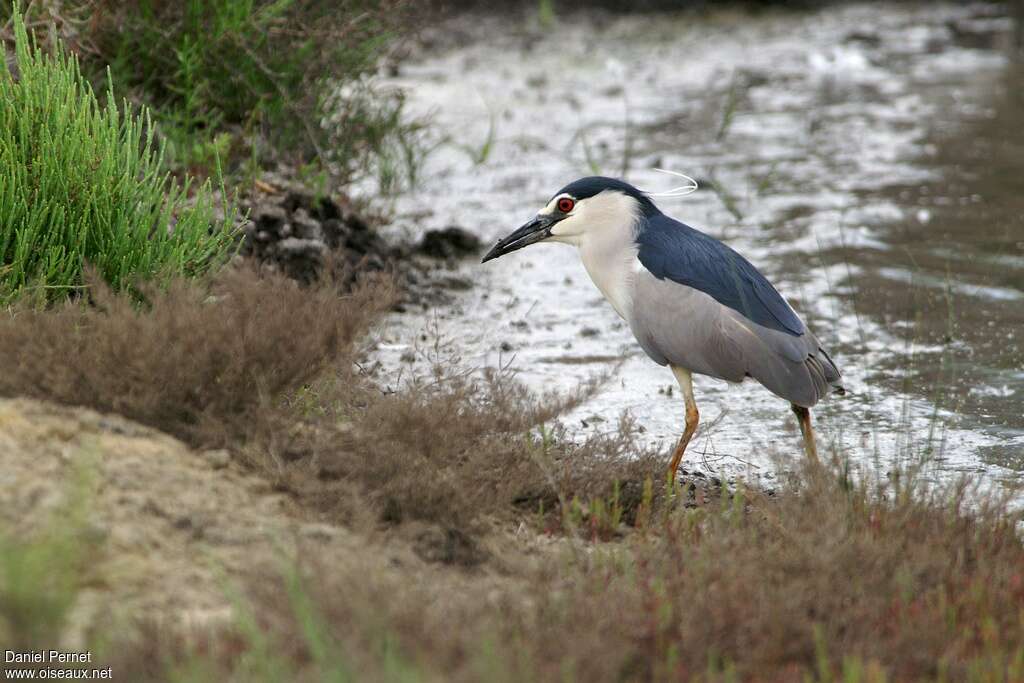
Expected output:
(533, 557)
(246, 85)
(308, 523)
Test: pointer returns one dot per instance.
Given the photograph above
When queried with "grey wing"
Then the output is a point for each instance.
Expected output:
(671, 250)
(679, 325)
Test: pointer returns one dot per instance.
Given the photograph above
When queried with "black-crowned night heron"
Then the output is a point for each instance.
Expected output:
(692, 302)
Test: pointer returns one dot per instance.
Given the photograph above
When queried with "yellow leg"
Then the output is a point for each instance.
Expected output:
(803, 416)
(692, 417)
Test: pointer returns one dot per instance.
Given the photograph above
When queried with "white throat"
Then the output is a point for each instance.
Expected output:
(604, 228)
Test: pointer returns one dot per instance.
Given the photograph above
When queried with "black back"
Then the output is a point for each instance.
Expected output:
(673, 250)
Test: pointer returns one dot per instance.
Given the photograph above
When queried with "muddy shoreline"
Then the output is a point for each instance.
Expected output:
(342, 483)
(821, 156)
(290, 228)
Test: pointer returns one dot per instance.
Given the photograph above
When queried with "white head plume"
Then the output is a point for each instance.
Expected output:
(681, 191)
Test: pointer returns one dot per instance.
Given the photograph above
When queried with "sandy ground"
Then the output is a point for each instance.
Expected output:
(179, 532)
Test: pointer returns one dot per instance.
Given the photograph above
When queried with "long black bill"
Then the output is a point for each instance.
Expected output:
(534, 231)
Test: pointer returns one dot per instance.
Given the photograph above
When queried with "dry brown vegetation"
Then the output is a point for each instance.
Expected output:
(550, 560)
(453, 448)
(206, 362)
(824, 582)
(253, 361)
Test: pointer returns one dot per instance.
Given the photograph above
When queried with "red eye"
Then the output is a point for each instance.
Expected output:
(565, 204)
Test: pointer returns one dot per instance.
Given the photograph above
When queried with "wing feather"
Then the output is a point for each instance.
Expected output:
(680, 325)
(675, 251)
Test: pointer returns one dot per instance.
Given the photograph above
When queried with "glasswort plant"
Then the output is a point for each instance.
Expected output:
(84, 183)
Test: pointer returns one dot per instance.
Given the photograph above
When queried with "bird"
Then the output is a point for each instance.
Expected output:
(693, 303)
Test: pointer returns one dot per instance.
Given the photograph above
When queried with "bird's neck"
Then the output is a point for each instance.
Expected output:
(610, 256)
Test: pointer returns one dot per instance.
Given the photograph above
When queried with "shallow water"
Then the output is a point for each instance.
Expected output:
(870, 160)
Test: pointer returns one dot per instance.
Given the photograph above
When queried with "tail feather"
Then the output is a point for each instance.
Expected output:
(831, 373)
(818, 376)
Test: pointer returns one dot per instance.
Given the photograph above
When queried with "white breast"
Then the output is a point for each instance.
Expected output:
(612, 264)
(608, 248)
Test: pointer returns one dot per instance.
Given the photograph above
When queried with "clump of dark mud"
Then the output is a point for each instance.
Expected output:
(295, 231)
(292, 230)
(451, 242)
